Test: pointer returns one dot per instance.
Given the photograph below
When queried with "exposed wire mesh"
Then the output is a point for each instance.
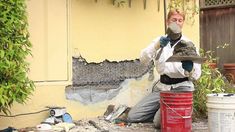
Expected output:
(106, 72)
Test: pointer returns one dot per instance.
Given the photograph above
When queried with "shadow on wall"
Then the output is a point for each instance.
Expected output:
(96, 82)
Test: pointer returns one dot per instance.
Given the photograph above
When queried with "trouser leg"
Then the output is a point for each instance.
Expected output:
(145, 110)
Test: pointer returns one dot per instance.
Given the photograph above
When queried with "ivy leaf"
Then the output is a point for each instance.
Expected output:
(2, 53)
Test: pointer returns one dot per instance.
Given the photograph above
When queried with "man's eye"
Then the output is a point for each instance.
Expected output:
(174, 20)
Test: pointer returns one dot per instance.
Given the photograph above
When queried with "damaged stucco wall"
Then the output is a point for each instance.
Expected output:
(96, 82)
(61, 29)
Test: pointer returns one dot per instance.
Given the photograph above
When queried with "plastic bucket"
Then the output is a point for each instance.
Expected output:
(221, 112)
(176, 111)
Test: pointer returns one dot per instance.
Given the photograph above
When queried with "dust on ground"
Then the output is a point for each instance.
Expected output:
(100, 125)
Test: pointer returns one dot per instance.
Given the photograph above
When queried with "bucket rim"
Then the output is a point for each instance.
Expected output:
(180, 97)
(221, 95)
(183, 92)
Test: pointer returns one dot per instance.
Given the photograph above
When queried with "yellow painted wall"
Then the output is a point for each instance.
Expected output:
(119, 33)
(48, 27)
(98, 31)
(192, 31)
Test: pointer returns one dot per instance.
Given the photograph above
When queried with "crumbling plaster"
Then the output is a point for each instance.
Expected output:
(96, 82)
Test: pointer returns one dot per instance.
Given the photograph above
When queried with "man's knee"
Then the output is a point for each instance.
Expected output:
(133, 116)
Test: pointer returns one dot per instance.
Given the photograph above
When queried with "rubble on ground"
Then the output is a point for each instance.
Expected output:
(113, 120)
(87, 125)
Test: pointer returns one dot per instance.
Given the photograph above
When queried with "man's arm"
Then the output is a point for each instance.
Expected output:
(149, 52)
(176, 69)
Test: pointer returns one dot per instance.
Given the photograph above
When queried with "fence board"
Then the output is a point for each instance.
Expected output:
(217, 26)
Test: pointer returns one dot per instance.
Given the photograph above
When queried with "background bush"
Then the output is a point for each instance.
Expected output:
(211, 81)
(15, 86)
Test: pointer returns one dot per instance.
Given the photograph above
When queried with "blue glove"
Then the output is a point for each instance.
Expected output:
(187, 65)
(164, 41)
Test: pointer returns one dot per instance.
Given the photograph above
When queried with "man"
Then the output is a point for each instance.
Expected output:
(172, 74)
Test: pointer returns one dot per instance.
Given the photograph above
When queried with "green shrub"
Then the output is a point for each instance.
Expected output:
(211, 81)
(15, 86)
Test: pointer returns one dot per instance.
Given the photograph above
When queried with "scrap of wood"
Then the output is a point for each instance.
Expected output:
(96, 126)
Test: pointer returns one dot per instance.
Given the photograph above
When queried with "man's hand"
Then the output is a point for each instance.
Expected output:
(187, 65)
(164, 41)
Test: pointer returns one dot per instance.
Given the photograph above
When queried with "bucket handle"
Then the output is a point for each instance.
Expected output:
(184, 117)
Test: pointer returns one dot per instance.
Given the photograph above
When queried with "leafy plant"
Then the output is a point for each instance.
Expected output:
(15, 86)
(119, 3)
(210, 54)
(211, 81)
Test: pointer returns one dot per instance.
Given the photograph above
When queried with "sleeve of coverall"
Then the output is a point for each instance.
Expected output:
(196, 69)
(162, 66)
(196, 72)
(148, 53)
(174, 69)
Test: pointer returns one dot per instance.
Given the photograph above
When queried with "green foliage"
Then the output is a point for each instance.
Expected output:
(210, 54)
(211, 81)
(119, 3)
(15, 86)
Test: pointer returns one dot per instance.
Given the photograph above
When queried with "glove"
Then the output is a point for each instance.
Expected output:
(187, 65)
(164, 41)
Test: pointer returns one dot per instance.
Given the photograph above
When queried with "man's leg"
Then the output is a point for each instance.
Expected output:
(157, 119)
(145, 110)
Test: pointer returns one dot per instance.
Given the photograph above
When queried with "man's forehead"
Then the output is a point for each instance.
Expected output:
(176, 15)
